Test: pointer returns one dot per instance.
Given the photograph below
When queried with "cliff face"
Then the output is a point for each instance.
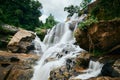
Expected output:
(103, 36)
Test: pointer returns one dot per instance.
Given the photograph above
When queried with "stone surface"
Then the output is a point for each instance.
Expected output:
(111, 68)
(102, 36)
(73, 67)
(8, 29)
(6, 33)
(21, 41)
(76, 66)
(16, 66)
(116, 66)
(105, 78)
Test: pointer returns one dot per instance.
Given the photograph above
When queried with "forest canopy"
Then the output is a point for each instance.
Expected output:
(20, 13)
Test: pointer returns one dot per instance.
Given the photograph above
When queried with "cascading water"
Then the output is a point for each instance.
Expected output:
(58, 45)
(93, 71)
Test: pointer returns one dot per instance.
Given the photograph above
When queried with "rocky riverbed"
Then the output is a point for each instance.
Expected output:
(16, 66)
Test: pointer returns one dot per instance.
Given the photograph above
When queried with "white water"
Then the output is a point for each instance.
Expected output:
(39, 46)
(58, 40)
(93, 71)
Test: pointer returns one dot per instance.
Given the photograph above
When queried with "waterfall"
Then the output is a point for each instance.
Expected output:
(39, 46)
(93, 71)
(56, 43)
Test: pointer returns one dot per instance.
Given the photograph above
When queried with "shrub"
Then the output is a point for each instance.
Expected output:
(40, 32)
(84, 25)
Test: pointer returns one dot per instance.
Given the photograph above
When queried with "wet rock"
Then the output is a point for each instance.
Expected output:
(102, 36)
(21, 41)
(72, 26)
(116, 67)
(83, 59)
(111, 68)
(105, 78)
(16, 66)
(72, 67)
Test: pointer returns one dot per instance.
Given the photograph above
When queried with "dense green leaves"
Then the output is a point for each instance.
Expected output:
(107, 9)
(72, 9)
(84, 3)
(77, 9)
(50, 22)
(23, 13)
(85, 24)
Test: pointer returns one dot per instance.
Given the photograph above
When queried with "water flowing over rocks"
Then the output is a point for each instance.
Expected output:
(16, 66)
(61, 59)
(73, 67)
(102, 36)
(21, 41)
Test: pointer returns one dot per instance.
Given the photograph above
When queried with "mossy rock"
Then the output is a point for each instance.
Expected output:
(105, 9)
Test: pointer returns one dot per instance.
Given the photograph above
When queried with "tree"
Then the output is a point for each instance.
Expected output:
(77, 9)
(50, 22)
(23, 13)
(72, 9)
(84, 3)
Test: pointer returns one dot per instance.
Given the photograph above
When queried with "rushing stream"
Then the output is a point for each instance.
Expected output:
(58, 45)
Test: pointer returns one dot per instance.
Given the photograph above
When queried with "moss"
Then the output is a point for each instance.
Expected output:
(40, 32)
(97, 52)
(106, 9)
(85, 24)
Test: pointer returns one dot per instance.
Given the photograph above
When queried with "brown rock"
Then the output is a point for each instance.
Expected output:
(18, 73)
(83, 60)
(21, 41)
(16, 66)
(105, 78)
(116, 67)
(73, 67)
(102, 36)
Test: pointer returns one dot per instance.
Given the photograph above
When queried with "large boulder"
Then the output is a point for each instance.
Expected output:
(21, 41)
(103, 36)
(16, 66)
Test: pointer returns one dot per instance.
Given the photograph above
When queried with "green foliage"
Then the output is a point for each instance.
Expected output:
(106, 9)
(72, 9)
(84, 3)
(85, 24)
(50, 22)
(23, 13)
(98, 52)
(40, 32)
(77, 9)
